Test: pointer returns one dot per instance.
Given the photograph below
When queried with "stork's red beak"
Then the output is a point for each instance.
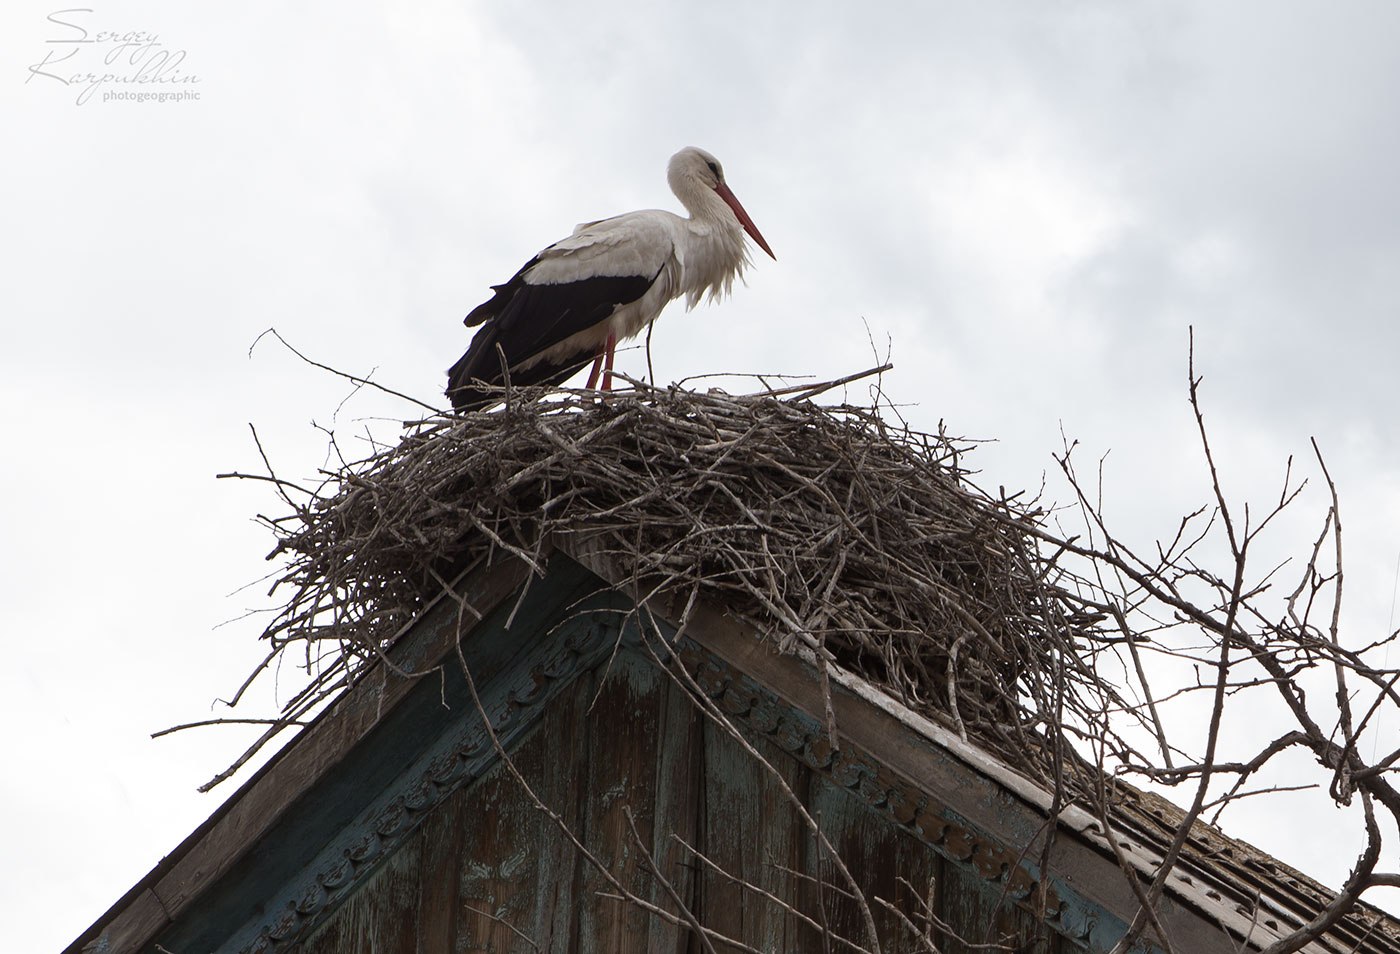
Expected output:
(743, 218)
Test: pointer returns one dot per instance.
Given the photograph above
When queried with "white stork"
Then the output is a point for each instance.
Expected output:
(577, 299)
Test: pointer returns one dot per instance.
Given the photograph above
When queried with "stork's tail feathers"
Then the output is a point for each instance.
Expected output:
(471, 388)
(465, 395)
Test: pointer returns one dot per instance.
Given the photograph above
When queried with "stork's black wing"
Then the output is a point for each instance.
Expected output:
(532, 319)
(570, 287)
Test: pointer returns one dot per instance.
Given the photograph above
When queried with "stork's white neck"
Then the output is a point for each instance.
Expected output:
(715, 252)
(715, 256)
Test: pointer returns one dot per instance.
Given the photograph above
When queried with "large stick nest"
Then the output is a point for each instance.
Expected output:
(823, 526)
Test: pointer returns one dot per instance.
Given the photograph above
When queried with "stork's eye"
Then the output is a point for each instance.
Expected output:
(714, 167)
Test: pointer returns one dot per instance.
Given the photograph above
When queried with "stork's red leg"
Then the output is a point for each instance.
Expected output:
(607, 369)
(597, 365)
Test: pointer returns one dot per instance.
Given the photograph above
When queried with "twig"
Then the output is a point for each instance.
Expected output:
(341, 374)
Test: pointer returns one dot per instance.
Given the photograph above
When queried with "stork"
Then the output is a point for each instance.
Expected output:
(603, 284)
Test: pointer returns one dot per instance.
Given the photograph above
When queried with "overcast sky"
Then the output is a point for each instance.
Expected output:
(1028, 202)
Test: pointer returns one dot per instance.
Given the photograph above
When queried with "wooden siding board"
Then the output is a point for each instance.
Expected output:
(499, 867)
(441, 839)
(753, 832)
(514, 856)
(677, 784)
(553, 766)
(620, 777)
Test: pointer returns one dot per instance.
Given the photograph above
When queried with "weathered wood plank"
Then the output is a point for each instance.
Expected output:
(553, 762)
(498, 868)
(441, 851)
(754, 833)
(620, 777)
(678, 786)
(516, 865)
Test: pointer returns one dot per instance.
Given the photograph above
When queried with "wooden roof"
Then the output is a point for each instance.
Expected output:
(316, 823)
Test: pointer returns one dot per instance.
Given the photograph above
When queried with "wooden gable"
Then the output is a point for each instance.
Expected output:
(392, 824)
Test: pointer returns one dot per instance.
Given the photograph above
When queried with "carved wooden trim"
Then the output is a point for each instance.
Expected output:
(513, 705)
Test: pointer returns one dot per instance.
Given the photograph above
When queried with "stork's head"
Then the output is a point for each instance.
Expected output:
(692, 171)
